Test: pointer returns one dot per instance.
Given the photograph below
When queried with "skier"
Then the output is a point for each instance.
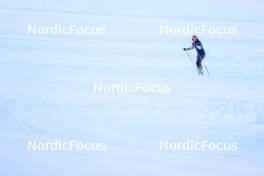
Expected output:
(200, 52)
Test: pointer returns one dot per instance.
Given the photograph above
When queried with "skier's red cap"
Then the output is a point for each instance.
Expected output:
(194, 37)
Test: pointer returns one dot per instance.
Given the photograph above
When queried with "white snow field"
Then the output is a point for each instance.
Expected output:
(47, 92)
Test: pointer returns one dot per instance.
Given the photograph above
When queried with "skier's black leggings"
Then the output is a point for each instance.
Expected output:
(199, 60)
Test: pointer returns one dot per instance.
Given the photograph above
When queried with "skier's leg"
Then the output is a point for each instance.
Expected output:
(199, 64)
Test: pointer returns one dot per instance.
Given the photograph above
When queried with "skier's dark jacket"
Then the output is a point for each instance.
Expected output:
(199, 48)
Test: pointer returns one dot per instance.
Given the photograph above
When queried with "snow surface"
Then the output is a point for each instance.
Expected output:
(46, 90)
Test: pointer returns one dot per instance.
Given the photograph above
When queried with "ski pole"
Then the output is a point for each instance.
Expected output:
(207, 70)
(190, 58)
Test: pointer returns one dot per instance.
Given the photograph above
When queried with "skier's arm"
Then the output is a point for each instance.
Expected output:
(190, 48)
